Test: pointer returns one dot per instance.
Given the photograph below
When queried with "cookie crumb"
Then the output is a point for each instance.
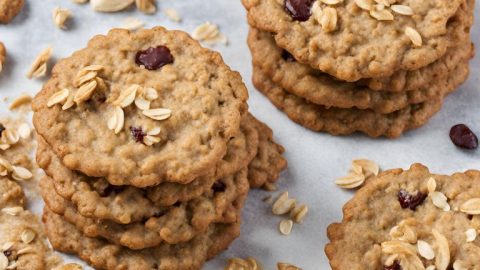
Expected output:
(285, 226)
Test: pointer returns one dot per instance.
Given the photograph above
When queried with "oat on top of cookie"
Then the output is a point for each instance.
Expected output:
(410, 219)
(141, 108)
(354, 39)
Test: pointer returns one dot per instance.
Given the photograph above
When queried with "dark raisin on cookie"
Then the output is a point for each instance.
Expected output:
(462, 136)
(411, 201)
(218, 187)
(287, 56)
(394, 266)
(137, 134)
(111, 189)
(154, 58)
(2, 129)
(299, 10)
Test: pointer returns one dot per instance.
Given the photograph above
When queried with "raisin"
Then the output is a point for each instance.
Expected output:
(299, 10)
(408, 200)
(463, 137)
(394, 266)
(137, 134)
(154, 58)
(2, 129)
(219, 187)
(111, 190)
(287, 56)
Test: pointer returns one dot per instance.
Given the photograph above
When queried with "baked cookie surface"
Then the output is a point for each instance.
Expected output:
(9, 9)
(398, 219)
(17, 225)
(148, 107)
(346, 121)
(359, 45)
(321, 88)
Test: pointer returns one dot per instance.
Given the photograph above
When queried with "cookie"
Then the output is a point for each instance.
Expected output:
(95, 197)
(3, 55)
(175, 224)
(323, 89)
(103, 255)
(33, 254)
(346, 121)
(350, 44)
(148, 107)
(266, 166)
(398, 211)
(9, 9)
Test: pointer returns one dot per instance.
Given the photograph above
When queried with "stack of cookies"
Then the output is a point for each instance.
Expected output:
(149, 152)
(380, 67)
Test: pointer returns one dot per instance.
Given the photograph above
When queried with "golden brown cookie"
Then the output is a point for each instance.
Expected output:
(9, 9)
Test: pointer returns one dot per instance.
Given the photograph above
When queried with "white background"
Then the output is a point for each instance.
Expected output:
(315, 159)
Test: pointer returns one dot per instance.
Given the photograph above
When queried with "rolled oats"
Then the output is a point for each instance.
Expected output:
(381, 14)
(210, 33)
(7, 246)
(364, 4)
(127, 96)
(80, 1)
(58, 98)
(440, 200)
(21, 173)
(27, 236)
(285, 226)
(85, 92)
(331, 2)
(283, 204)
(329, 19)
(20, 101)
(471, 207)
(69, 266)
(471, 235)
(402, 10)
(368, 167)
(60, 17)
(132, 23)
(299, 213)
(351, 181)
(116, 120)
(459, 265)
(40, 64)
(5, 167)
(3, 261)
(158, 114)
(404, 232)
(287, 266)
(152, 137)
(13, 211)
(146, 6)
(3, 55)
(414, 36)
(431, 185)
(442, 259)
(425, 250)
(110, 5)
(172, 14)
(24, 131)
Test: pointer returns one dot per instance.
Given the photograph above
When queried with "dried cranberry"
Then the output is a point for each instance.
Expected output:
(218, 187)
(394, 266)
(138, 134)
(2, 129)
(287, 56)
(408, 200)
(463, 137)
(299, 10)
(154, 58)
(110, 189)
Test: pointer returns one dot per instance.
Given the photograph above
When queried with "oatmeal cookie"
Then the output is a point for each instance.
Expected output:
(9, 9)
(360, 46)
(346, 121)
(96, 198)
(432, 215)
(17, 227)
(148, 107)
(3, 55)
(103, 255)
(269, 162)
(321, 88)
(175, 224)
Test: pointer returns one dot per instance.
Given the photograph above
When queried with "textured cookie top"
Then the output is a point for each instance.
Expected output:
(22, 240)
(354, 39)
(410, 220)
(321, 88)
(141, 108)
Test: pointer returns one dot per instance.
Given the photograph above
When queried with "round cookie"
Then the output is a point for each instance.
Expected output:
(321, 88)
(103, 255)
(94, 197)
(12, 227)
(346, 121)
(175, 224)
(394, 212)
(130, 88)
(360, 46)
(269, 162)
(9, 9)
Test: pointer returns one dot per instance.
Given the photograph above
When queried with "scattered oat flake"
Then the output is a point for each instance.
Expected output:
(247, 264)
(299, 213)
(328, 20)
(58, 98)
(85, 92)
(364, 4)
(21, 173)
(20, 101)
(287, 266)
(60, 17)
(471, 207)
(116, 120)
(27, 236)
(285, 226)
(471, 235)
(431, 185)
(110, 5)
(442, 259)
(425, 250)
(127, 96)
(402, 10)
(40, 64)
(25, 250)
(209, 33)
(132, 24)
(381, 14)
(146, 6)
(440, 200)
(369, 167)
(172, 14)
(351, 181)
(158, 114)
(13, 211)
(414, 36)
(283, 204)
(24, 131)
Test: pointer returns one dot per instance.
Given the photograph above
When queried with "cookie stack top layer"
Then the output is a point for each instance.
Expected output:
(437, 213)
(106, 104)
(343, 39)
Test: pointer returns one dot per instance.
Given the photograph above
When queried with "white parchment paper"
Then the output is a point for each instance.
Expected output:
(315, 159)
